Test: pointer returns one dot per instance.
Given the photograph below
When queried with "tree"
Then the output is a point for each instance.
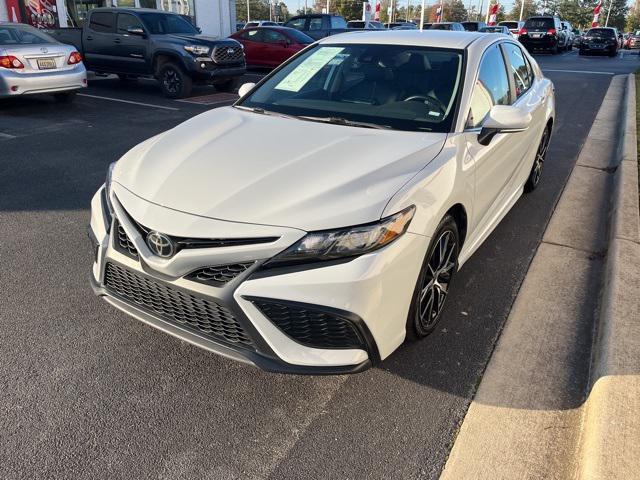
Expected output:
(452, 11)
(578, 12)
(530, 9)
(617, 16)
(349, 9)
(633, 20)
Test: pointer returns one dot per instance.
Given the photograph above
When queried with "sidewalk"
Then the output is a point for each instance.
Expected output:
(560, 395)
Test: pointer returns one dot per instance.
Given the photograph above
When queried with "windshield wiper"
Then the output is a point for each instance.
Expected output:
(262, 111)
(344, 121)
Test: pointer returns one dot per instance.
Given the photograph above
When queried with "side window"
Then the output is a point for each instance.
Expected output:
(252, 35)
(338, 22)
(125, 21)
(271, 36)
(102, 22)
(491, 88)
(315, 23)
(298, 23)
(519, 69)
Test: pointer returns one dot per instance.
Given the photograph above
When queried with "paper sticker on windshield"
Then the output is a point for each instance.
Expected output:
(307, 69)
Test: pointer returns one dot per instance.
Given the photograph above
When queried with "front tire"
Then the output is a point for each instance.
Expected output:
(431, 290)
(175, 83)
(538, 162)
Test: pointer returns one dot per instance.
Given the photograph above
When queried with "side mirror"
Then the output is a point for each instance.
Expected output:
(245, 88)
(136, 31)
(503, 119)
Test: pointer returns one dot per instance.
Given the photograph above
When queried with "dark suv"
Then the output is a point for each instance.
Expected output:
(544, 33)
(600, 40)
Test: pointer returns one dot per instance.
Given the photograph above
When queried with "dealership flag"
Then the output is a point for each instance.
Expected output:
(376, 15)
(493, 13)
(439, 14)
(596, 14)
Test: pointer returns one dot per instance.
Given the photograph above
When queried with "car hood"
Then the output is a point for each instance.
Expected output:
(241, 166)
(201, 39)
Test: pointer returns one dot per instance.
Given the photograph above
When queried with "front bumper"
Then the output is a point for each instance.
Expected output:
(42, 82)
(204, 69)
(370, 294)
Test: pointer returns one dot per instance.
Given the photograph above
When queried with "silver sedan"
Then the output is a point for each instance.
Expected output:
(31, 62)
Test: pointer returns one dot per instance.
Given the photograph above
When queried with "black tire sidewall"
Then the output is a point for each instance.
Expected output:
(185, 81)
(413, 329)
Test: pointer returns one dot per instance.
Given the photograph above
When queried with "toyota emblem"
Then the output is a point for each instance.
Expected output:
(230, 51)
(161, 245)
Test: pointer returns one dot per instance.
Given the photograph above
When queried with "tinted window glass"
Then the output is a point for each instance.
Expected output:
(271, 36)
(315, 24)
(519, 68)
(393, 86)
(126, 21)
(164, 23)
(297, 23)
(300, 37)
(338, 22)
(601, 33)
(102, 22)
(491, 88)
(510, 25)
(252, 35)
(545, 22)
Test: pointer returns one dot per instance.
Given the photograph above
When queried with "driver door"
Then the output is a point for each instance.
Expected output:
(496, 163)
(131, 50)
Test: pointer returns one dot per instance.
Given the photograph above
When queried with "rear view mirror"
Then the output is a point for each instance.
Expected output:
(245, 88)
(503, 119)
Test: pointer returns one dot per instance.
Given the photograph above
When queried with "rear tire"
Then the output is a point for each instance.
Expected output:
(538, 162)
(175, 83)
(64, 97)
(438, 269)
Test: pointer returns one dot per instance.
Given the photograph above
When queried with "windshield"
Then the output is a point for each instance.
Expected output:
(164, 23)
(23, 35)
(389, 86)
(299, 37)
(600, 33)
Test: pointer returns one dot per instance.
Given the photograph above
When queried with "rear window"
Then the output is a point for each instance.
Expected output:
(338, 22)
(23, 35)
(601, 33)
(539, 23)
(470, 26)
(509, 25)
(300, 37)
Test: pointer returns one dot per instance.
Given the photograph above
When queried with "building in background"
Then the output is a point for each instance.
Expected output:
(214, 17)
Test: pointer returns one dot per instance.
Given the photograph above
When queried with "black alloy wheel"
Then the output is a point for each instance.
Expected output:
(538, 162)
(175, 83)
(439, 267)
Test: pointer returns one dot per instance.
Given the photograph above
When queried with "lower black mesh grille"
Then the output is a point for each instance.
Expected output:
(205, 317)
(122, 243)
(218, 275)
(311, 327)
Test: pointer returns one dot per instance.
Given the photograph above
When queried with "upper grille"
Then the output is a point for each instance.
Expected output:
(122, 243)
(218, 275)
(205, 317)
(228, 54)
(311, 327)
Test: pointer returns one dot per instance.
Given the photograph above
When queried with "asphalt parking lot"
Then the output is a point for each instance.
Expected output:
(87, 392)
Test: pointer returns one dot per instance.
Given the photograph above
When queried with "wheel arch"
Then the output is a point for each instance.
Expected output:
(162, 57)
(459, 214)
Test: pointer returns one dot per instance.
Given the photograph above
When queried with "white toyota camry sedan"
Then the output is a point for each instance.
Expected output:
(320, 221)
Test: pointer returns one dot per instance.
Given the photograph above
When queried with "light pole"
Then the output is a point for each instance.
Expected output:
(608, 13)
(422, 15)
(521, 10)
(247, 11)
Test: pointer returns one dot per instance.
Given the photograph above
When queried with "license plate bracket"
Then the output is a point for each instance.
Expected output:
(46, 63)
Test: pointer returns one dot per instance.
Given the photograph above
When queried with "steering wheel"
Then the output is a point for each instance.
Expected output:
(431, 102)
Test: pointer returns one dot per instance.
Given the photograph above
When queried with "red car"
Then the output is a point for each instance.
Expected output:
(270, 46)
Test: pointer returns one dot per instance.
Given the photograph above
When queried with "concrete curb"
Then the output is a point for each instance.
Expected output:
(610, 443)
(553, 402)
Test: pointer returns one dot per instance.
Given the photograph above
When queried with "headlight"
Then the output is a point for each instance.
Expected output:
(197, 49)
(345, 242)
(107, 187)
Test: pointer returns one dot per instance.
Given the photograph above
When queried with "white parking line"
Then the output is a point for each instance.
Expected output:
(578, 71)
(127, 101)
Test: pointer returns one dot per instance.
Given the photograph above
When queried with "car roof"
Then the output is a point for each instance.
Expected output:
(425, 38)
(130, 10)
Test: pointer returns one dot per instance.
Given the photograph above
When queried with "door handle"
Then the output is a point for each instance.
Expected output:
(89, 38)
(117, 40)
